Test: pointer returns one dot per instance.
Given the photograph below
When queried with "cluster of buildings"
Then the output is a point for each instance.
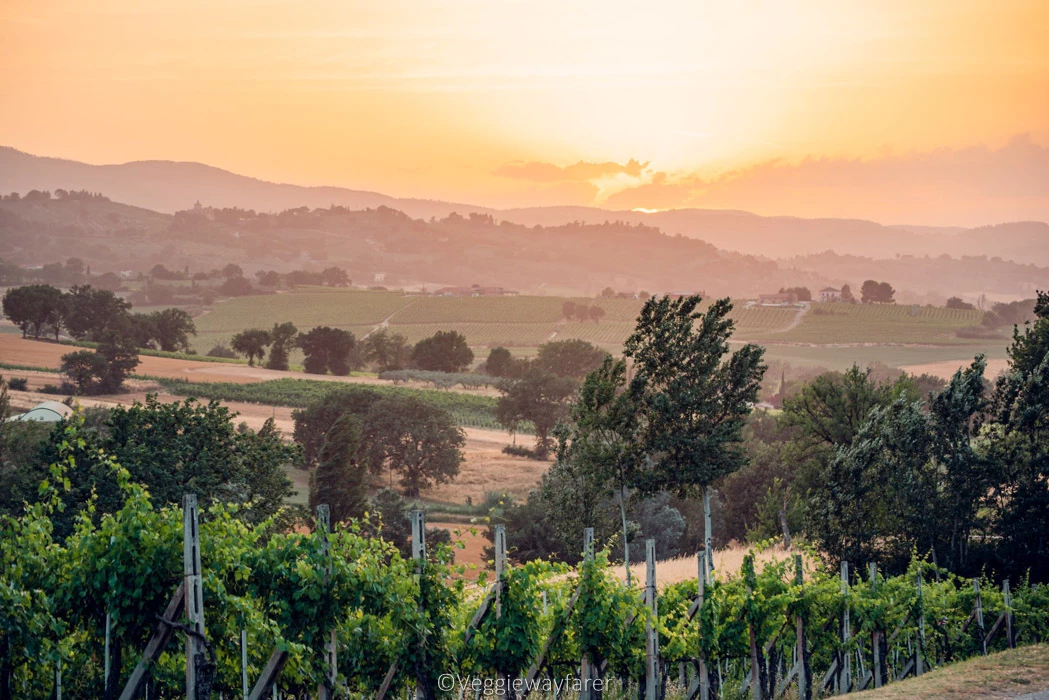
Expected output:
(827, 294)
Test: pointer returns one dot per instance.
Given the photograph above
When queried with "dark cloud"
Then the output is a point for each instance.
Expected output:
(581, 171)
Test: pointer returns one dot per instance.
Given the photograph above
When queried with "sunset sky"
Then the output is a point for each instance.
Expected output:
(930, 112)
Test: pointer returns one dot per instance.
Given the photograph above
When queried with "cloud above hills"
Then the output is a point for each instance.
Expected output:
(963, 187)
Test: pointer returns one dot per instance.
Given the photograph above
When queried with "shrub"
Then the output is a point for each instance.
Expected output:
(221, 350)
(65, 388)
(18, 383)
(520, 451)
(978, 333)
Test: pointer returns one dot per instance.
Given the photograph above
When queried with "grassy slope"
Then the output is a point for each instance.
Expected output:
(1002, 675)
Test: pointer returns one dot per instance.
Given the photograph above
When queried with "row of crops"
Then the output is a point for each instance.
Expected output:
(348, 614)
(879, 323)
(470, 410)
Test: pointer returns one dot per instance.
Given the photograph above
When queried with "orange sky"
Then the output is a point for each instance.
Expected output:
(488, 101)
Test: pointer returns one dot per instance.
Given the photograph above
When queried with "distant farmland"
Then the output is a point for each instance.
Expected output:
(832, 335)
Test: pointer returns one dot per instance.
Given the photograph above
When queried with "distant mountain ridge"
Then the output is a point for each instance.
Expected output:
(169, 186)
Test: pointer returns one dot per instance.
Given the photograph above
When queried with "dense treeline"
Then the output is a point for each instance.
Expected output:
(866, 470)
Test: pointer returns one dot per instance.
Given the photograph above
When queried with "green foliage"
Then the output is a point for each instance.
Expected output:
(281, 340)
(171, 329)
(340, 479)
(251, 343)
(91, 314)
(102, 371)
(414, 438)
(444, 351)
(539, 398)
(1020, 428)
(35, 307)
(498, 362)
(387, 351)
(328, 349)
(692, 395)
(873, 292)
(570, 358)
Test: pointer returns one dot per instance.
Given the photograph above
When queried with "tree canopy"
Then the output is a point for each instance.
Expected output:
(327, 349)
(415, 439)
(539, 398)
(692, 394)
(251, 343)
(341, 477)
(570, 358)
(444, 351)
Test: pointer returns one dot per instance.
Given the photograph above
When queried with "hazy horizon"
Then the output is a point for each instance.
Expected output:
(936, 115)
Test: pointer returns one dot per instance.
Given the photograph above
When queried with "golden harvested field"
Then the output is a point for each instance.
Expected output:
(1014, 673)
(728, 562)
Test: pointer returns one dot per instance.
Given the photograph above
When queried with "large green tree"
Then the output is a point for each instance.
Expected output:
(313, 422)
(251, 343)
(90, 314)
(601, 440)
(172, 449)
(1020, 411)
(34, 307)
(341, 477)
(281, 339)
(326, 349)
(910, 480)
(104, 370)
(387, 351)
(570, 358)
(415, 439)
(444, 351)
(171, 329)
(539, 398)
(692, 395)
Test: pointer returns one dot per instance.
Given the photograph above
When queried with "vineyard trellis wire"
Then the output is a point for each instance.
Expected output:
(341, 614)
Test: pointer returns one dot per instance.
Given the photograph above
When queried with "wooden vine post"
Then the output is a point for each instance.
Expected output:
(244, 663)
(161, 634)
(919, 659)
(876, 633)
(587, 669)
(844, 677)
(326, 689)
(1008, 600)
(757, 687)
(804, 672)
(196, 653)
(652, 671)
(708, 538)
(423, 691)
(500, 569)
(500, 566)
(978, 611)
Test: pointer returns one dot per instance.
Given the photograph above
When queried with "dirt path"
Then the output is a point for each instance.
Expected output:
(796, 321)
(385, 323)
(946, 368)
(39, 353)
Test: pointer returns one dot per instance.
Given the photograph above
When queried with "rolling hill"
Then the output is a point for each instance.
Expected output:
(168, 186)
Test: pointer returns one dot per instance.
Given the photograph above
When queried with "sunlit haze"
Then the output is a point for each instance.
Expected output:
(899, 111)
